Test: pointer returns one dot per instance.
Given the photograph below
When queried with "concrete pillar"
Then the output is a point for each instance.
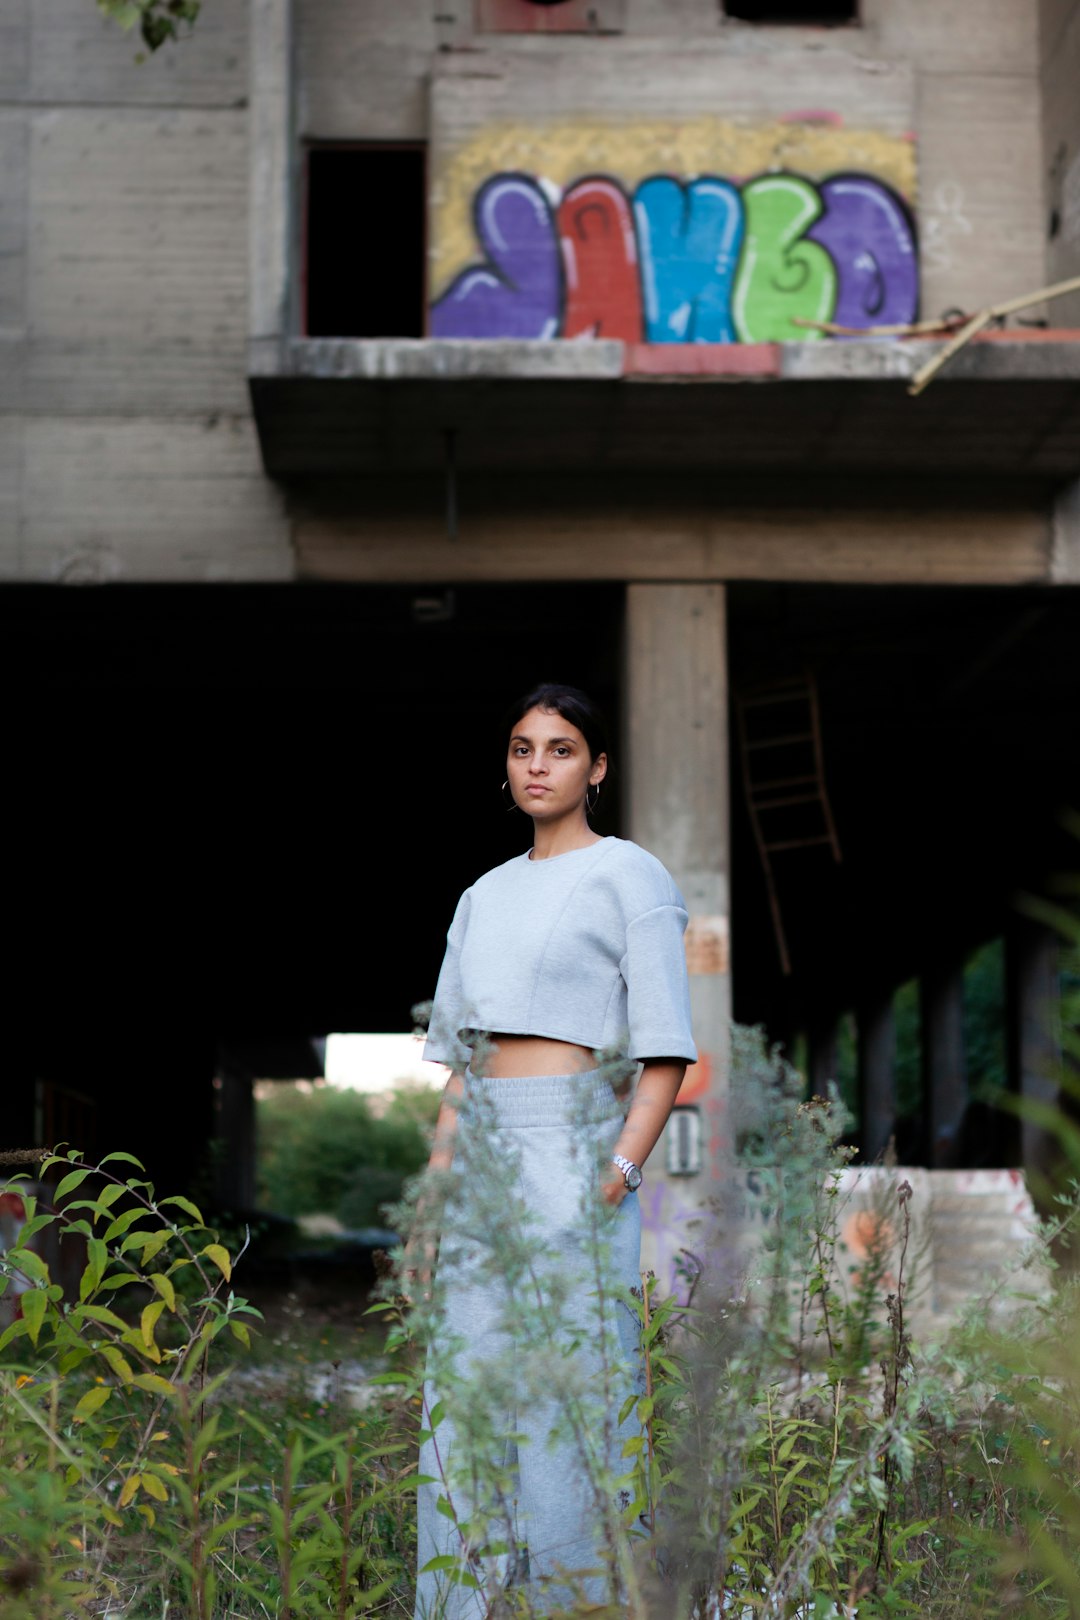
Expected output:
(1033, 1020)
(821, 1065)
(945, 1087)
(676, 784)
(271, 181)
(234, 1141)
(877, 1073)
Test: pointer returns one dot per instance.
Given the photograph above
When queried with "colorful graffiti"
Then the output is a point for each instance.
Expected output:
(696, 261)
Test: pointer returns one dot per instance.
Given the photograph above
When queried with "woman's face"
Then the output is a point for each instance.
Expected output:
(548, 766)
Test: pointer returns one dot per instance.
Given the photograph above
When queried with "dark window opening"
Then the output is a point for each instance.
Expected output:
(364, 247)
(793, 11)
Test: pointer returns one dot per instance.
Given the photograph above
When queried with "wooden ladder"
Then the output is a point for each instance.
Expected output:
(779, 728)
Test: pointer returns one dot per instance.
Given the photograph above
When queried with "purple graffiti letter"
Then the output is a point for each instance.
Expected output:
(517, 292)
(870, 235)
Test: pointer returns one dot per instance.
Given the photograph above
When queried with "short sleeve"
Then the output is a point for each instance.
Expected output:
(657, 986)
(443, 1045)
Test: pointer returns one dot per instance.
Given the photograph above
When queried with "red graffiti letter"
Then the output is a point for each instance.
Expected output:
(599, 249)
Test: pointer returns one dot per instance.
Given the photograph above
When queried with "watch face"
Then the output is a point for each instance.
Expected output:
(633, 1178)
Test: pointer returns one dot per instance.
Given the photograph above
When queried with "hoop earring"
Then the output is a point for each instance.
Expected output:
(589, 808)
(512, 805)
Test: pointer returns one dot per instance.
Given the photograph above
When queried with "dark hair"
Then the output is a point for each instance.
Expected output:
(573, 704)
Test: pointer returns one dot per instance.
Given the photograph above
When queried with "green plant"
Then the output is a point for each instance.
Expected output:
(129, 1477)
(156, 20)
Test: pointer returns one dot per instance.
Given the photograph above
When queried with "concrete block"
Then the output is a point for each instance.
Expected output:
(13, 205)
(980, 189)
(695, 19)
(435, 359)
(137, 277)
(1065, 537)
(362, 70)
(79, 56)
(149, 499)
(14, 49)
(1061, 153)
(625, 80)
(1053, 18)
(965, 35)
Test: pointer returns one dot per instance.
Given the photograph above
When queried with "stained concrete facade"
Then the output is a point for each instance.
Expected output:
(128, 291)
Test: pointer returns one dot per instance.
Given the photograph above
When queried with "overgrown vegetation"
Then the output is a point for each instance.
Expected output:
(157, 21)
(796, 1454)
(330, 1151)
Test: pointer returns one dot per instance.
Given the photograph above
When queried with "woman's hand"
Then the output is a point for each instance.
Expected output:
(613, 1188)
(418, 1268)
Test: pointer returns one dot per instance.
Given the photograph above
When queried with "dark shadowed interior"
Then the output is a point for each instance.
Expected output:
(243, 815)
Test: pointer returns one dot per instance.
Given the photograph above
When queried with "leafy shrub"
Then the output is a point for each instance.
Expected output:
(129, 1482)
(329, 1151)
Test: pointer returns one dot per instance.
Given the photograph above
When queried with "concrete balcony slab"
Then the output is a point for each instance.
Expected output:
(1006, 405)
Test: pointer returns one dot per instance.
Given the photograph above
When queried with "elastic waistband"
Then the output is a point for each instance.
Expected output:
(546, 1099)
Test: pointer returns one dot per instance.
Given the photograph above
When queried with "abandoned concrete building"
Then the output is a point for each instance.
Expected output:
(366, 363)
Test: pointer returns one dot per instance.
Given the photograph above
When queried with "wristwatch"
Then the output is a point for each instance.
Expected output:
(631, 1174)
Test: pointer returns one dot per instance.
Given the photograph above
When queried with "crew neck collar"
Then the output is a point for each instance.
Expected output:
(582, 849)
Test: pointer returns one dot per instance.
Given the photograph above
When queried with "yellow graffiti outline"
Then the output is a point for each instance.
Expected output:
(558, 153)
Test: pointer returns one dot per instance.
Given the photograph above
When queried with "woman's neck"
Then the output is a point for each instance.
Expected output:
(560, 837)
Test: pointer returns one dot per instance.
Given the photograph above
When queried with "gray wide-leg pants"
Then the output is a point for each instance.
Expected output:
(535, 1351)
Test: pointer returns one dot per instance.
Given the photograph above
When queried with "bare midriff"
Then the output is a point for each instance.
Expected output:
(511, 1056)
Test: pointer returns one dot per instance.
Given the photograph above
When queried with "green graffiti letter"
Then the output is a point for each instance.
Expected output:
(780, 275)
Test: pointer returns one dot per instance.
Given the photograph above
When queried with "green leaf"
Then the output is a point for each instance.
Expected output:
(120, 1225)
(154, 1487)
(153, 1383)
(119, 1364)
(128, 1158)
(34, 1304)
(98, 1258)
(16, 1330)
(185, 1204)
(29, 1264)
(133, 1336)
(98, 1313)
(152, 1243)
(164, 1287)
(91, 1402)
(443, 1561)
(220, 1256)
(148, 1321)
(31, 1227)
(109, 1195)
(239, 1331)
(71, 1181)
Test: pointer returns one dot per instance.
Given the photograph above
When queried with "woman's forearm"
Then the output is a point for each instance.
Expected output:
(442, 1146)
(651, 1106)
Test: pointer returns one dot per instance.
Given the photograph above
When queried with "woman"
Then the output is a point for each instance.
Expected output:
(569, 955)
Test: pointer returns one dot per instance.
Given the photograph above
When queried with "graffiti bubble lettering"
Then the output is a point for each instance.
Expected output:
(517, 293)
(690, 239)
(599, 250)
(781, 274)
(696, 261)
(867, 233)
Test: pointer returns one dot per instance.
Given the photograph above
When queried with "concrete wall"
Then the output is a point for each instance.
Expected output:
(126, 444)
(1059, 52)
(962, 78)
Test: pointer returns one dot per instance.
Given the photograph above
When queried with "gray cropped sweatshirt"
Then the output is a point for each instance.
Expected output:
(584, 947)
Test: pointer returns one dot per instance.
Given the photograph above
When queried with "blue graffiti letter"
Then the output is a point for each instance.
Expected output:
(689, 239)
